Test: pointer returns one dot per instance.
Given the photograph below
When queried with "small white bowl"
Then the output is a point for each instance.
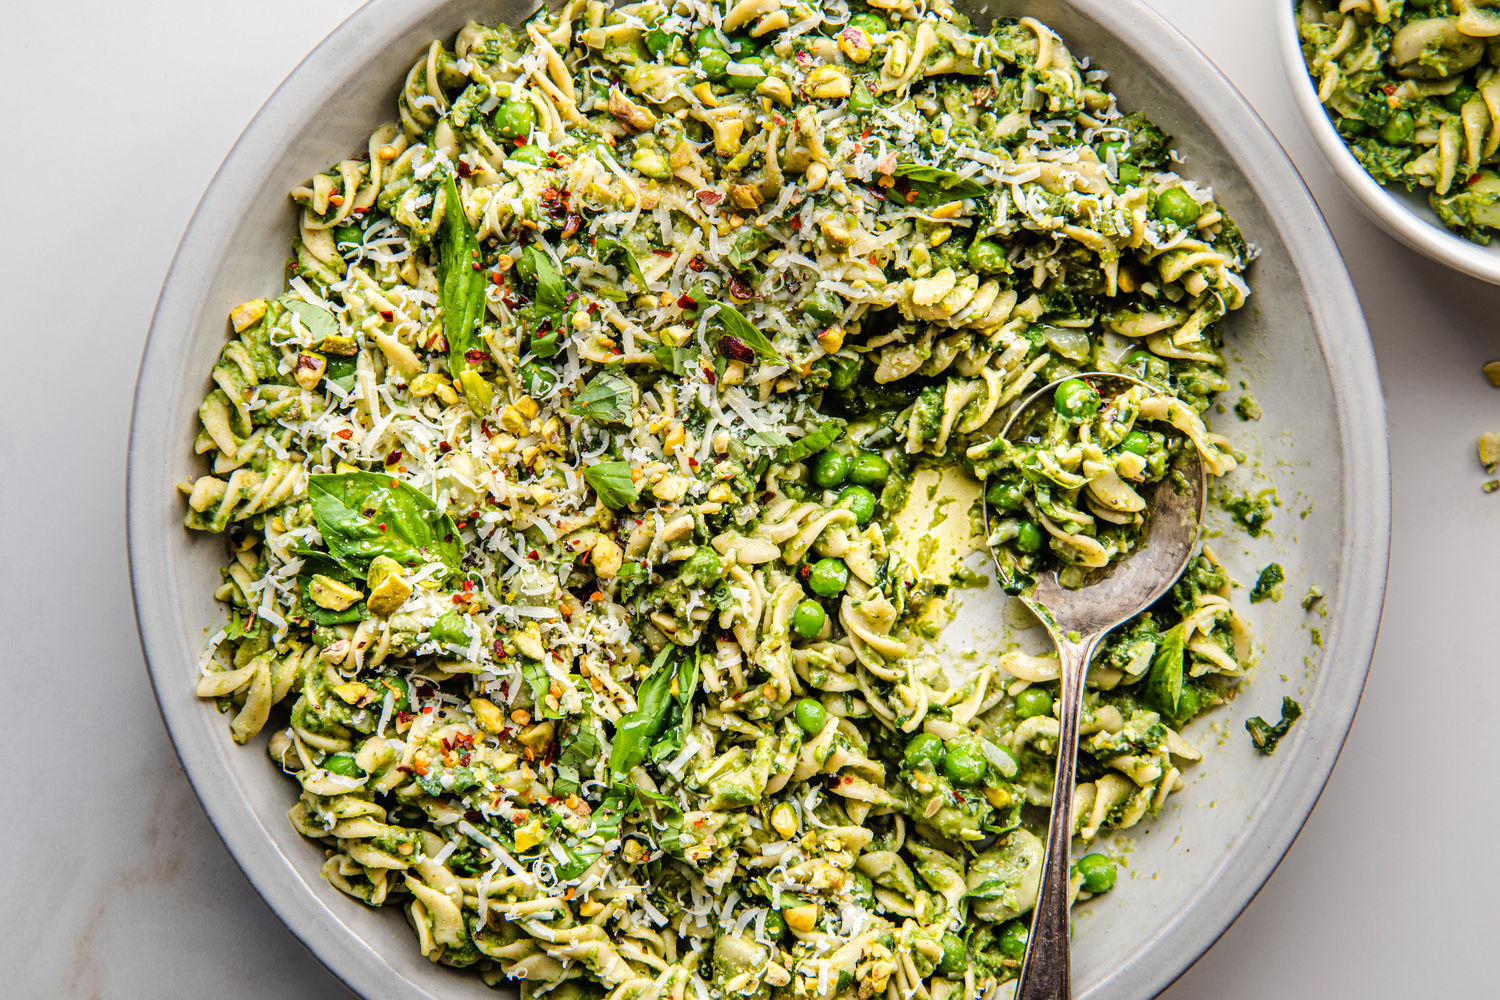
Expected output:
(1404, 214)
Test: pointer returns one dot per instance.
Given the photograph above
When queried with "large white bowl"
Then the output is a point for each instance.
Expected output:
(1301, 344)
(1404, 214)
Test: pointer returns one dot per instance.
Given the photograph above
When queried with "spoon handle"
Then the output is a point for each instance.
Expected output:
(1046, 973)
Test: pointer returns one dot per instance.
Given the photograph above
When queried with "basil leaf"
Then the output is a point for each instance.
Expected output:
(319, 321)
(768, 439)
(551, 290)
(937, 181)
(675, 359)
(460, 289)
(362, 515)
(611, 480)
(535, 674)
(635, 729)
(1163, 691)
(1268, 584)
(734, 323)
(746, 246)
(608, 398)
(608, 248)
(811, 444)
(317, 564)
(1266, 736)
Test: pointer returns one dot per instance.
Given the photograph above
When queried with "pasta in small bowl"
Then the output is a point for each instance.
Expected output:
(1403, 99)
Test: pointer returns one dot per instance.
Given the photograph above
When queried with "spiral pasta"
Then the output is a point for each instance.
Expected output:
(560, 488)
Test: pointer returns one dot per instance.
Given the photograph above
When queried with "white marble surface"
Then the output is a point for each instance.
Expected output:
(113, 884)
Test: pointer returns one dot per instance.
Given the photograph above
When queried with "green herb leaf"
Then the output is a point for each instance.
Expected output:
(812, 443)
(608, 248)
(675, 359)
(1266, 736)
(1163, 690)
(746, 246)
(768, 439)
(634, 732)
(937, 181)
(537, 680)
(362, 515)
(460, 288)
(734, 323)
(551, 290)
(319, 321)
(611, 480)
(316, 563)
(608, 398)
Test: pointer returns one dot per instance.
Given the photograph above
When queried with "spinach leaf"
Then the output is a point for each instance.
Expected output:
(319, 321)
(611, 480)
(812, 443)
(1163, 690)
(608, 398)
(1266, 736)
(1268, 584)
(734, 323)
(608, 248)
(635, 730)
(935, 181)
(362, 515)
(461, 293)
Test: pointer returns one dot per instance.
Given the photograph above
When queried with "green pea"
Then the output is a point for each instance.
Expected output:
(1128, 173)
(808, 618)
(657, 41)
(925, 752)
(965, 764)
(1098, 871)
(1137, 442)
(514, 119)
(530, 154)
(1032, 702)
(1178, 207)
(1005, 495)
(986, 256)
(869, 469)
(775, 925)
(1075, 399)
(955, 956)
(1453, 102)
(860, 99)
(871, 22)
(714, 62)
(705, 39)
(858, 501)
(828, 577)
(1399, 127)
(830, 469)
(1013, 939)
(811, 715)
(1120, 148)
(822, 306)
(343, 763)
(845, 371)
(397, 686)
(348, 234)
(747, 78)
(1029, 537)
(1139, 357)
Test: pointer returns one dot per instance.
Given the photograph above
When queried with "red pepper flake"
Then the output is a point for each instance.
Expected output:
(346, 434)
(911, 196)
(382, 525)
(426, 710)
(804, 571)
(387, 314)
(693, 462)
(1390, 90)
(476, 356)
(709, 198)
(735, 349)
(697, 264)
(662, 252)
(796, 222)
(497, 277)
(477, 266)
(393, 457)
(532, 554)
(444, 447)
(499, 647)
(710, 375)
(572, 225)
(468, 584)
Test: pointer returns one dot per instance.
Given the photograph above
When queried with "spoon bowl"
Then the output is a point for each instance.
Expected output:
(1077, 618)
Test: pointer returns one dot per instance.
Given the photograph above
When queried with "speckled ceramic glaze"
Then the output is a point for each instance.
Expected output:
(1301, 344)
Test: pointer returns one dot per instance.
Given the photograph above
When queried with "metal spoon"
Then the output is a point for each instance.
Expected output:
(1077, 619)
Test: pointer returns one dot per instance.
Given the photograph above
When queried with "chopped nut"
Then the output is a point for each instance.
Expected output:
(784, 820)
(625, 111)
(511, 420)
(948, 211)
(427, 383)
(247, 314)
(331, 595)
(721, 443)
(802, 918)
(521, 717)
(775, 88)
(1489, 450)
(489, 716)
(526, 406)
(1492, 372)
(855, 44)
(817, 176)
(389, 152)
(608, 557)
(831, 339)
(827, 83)
(504, 262)
(746, 196)
(309, 369)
